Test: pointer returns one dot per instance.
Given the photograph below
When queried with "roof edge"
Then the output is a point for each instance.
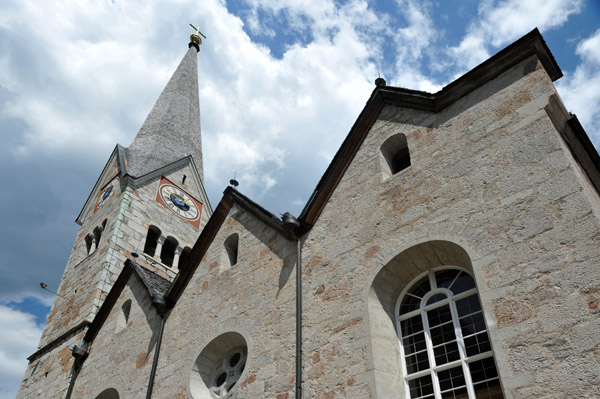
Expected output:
(115, 150)
(230, 197)
(130, 268)
(531, 44)
(109, 303)
(56, 341)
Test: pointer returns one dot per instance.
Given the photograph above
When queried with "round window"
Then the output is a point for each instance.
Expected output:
(219, 367)
(227, 372)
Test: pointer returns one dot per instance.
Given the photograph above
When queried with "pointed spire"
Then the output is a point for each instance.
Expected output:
(172, 129)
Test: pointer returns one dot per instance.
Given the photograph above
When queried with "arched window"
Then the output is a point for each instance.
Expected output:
(168, 251)
(185, 254)
(123, 317)
(231, 247)
(445, 347)
(89, 244)
(97, 235)
(395, 152)
(152, 240)
(110, 393)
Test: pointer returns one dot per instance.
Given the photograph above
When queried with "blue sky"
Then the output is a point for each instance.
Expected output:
(276, 77)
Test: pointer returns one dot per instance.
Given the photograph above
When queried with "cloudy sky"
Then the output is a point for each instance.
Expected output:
(281, 83)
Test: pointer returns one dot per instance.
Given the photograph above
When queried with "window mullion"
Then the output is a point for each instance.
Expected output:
(402, 355)
(430, 356)
(432, 282)
(462, 349)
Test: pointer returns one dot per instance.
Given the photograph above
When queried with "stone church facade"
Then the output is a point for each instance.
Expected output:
(450, 250)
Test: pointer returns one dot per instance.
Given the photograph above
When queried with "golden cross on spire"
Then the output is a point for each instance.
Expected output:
(198, 31)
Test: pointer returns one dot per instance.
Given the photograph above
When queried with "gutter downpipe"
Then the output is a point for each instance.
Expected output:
(80, 353)
(290, 223)
(298, 319)
(159, 304)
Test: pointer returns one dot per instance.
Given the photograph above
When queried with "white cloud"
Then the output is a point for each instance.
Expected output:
(266, 109)
(500, 23)
(411, 43)
(19, 336)
(101, 74)
(81, 76)
(581, 89)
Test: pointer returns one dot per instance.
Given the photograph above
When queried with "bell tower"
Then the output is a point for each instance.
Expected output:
(149, 201)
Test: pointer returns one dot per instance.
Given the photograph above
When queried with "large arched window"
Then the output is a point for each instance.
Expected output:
(445, 347)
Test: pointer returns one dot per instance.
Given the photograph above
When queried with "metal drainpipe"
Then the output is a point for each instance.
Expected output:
(298, 319)
(159, 304)
(80, 353)
(74, 374)
(290, 223)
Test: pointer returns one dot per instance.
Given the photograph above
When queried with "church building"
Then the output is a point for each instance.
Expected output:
(451, 249)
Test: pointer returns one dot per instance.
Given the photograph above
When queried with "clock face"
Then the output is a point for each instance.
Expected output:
(106, 193)
(178, 201)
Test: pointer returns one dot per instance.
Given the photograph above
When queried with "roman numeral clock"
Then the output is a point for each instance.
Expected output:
(179, 202)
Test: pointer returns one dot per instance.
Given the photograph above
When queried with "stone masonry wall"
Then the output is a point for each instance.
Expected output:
(81, 293)
(490, 178)
(254, 297)
(121, 355)
(492, 175)
(88, 278)
(48, 376)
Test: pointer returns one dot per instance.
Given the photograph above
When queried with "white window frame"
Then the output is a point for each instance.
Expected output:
(451, 299)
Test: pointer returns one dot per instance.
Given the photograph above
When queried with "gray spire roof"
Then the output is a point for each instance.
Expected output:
(172, 129)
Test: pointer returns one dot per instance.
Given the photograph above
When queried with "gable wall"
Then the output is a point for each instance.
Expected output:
(254, 298)
(491, 174)
(121, 358)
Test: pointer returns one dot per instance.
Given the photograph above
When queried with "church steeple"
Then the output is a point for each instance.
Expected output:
(172, 129)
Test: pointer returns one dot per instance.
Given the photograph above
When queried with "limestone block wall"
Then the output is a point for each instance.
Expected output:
(84, 271)
(89, 277)
(490, 175)
(145, 211)
(78, 298)
(254, 299)
(48, 376)
(121, 355)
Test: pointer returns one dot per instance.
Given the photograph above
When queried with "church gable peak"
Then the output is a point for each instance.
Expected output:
(107, 186)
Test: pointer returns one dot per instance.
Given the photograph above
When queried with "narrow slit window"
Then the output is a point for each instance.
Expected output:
(123, 318)
(231, 247)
